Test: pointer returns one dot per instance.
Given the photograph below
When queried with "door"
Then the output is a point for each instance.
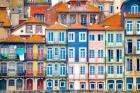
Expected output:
(40, 84)
(2, 84)
(29, 84)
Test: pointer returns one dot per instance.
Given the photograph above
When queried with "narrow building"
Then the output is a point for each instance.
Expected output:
(96, 57)
(77, 47)
(56, 57)
(131, 22)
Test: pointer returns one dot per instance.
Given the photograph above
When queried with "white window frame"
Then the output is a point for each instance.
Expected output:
(71, 84)
(82, 70)
(110, 84)
(138, 49)
(120, 69)
(128, 24)
(73, 52)
(84, 40)
(94, 86)
(48, 83)
(118, 39)
(137, 86)
(71, 71)
(84, 86)
(138, 26)
(98, 86)
(100, 72)
(92, 71)
(80, 56)
(64, 83)
(135, 7)
(70, 40)
(92, 54)
(128, 84)
(121, 87)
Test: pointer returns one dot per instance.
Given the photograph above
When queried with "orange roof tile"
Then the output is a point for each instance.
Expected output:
(33, 20)
(117, 28)
(4, 18)
(57, 26)
(61, 7)
(35, 39)
(13, 38)
(77, 26)
(129, 15)
(96, 27)
(112, 20)
(92, 8)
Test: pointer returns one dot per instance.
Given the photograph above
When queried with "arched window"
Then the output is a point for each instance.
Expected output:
(134, 9)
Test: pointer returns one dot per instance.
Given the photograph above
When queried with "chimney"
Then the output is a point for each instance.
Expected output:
(14, 18)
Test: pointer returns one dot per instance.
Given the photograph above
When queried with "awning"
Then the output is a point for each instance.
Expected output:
(20, 51)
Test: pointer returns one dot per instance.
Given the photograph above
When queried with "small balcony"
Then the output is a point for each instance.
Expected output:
(40, 73)
(56, 41)
(9, 57)
(3, 74)
(29, 73)
(20, 73)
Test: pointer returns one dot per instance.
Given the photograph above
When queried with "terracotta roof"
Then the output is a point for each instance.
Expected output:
(77, 26)
(115, 28)
(4, 18)
(33, 20)
(35, 39)
(112, 20)
(96, 27)
(61, 7)
(57, 26)
(129, 15)
(13, 38)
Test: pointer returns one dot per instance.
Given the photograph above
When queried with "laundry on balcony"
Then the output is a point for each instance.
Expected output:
(20, 53)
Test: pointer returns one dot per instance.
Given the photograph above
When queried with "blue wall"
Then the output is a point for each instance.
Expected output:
(77, 44)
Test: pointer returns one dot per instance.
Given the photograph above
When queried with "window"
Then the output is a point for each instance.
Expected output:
(83, 86)
(129, 46)
(138, 64)
(72, 18)
(100, 37)
(92, 18)
(62, 53)
(71, 36)
(71, 53)
(82, 53)
(118, 54)
(110, 38)
(62, 84)
(138, 46)
(38, 28)
(82, 37)
(49, 56)
(111, 86)
(110, 69)
(100, 86)
(71, 70)
(138, 86)
(111, 8)
(50, 36)
(119, 86)
(91, 37)
(61, 36)
(100, 53)
(129, 26)
(82, 70)
(40, 52)
(129, 86)
(110, 55)
(138, 26)
(30, 51)
(30, 67)
(129, 64)
(91, 54)
(62, 69)
(29, 28)
(63, 18)
(20, 68)
(134, 9)
(56, 51)
(56, 67)
(56, 83)
(71, 86)
(119, 69)
(101, 7)
(3, 68)
(40, 16)
(40, 67)
(11, 82)
(49, 83)
(84, 19)
(119, 38)
(100, 70)
(92, 86)
(49, 69)
(92, 70)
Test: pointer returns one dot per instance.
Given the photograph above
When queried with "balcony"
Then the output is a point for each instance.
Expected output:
(134, 32)
(29, 73)
(40, 73)
(56, 42)
(3, 73)
(131, 51)
(20, 73)
(56, 59)
(9, 57)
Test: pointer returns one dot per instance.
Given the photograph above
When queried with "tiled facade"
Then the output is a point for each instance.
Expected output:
(77, 52)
